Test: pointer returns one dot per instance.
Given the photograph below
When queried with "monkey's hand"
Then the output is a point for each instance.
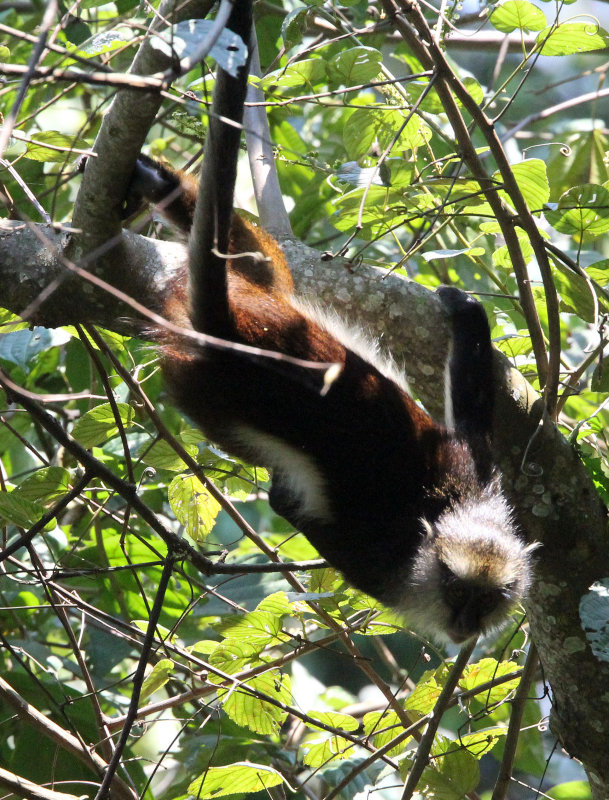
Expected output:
(173, 193)
(456, 301)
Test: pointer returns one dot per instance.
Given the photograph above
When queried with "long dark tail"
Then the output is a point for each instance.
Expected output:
(210, 234)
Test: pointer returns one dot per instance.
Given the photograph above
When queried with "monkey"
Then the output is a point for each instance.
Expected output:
(428, 531)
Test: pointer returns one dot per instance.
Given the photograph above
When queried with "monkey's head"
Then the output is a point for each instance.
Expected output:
(470, 570)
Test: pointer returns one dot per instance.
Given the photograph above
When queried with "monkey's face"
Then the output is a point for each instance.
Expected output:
(469, 571)
(473, 608)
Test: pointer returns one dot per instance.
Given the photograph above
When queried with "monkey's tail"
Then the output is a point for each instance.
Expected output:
(210, 234)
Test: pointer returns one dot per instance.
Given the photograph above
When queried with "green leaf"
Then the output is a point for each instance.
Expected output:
(303, 72)
(572, 790)
(516, 344)
(599, 272)
(233, 656)
(585, 161)
(193, 505)
(294, 26)
(163, 456)
(258, 628)
(161, 673)
(239, 778)
(482, 742)
(454, 772)
(572, 37)
(475, 91)
(191, 436)
(365, 125)
(385, 726)
(99, 425)
(518, 15)
(104, 42)
(357, 65)
(581, 211)
(532, 181)
(488, 670)
(277, 603)
(38, 149)
(576, 294)
(335, 719)
(501, 255)
(254, 713)
(122, 6)
(325, 748)
(424, 696)
(19, 511)
(46, 485)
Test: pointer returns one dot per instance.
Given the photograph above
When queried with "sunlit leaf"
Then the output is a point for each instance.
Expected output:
(572, 790)
(488, 671)
(45, 485)
(53, 146)
(582, 210)
(573, 37)
(241, 778)
(193, 505)
(322, 749)
(335, 719)
(255, 713)
(161, 673)
(234, 655)
(532, 181)
(482, 742)
(163, 456)
(98, 425)
(384, 726)
(301, 73)
(518, 15)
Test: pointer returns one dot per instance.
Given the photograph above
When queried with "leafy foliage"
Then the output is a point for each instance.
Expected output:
(239, 697)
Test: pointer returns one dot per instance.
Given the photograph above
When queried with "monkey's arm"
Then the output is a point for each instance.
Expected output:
(469, 393)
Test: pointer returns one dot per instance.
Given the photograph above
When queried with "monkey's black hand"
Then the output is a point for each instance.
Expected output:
(470, 325)
(456, 301)
(151, 182)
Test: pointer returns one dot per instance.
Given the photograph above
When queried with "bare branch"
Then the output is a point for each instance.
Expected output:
(22, 787)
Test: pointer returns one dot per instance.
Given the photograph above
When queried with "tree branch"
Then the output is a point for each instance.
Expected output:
(22, 787)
